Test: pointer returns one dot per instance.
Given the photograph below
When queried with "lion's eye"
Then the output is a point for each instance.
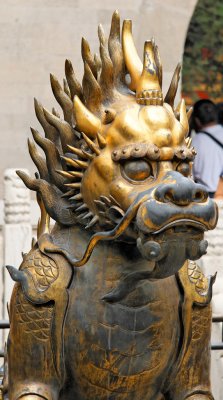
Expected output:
(184, 168)
(137, 170)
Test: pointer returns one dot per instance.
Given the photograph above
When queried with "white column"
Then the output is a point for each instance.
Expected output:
(213, 262)
(17, 230)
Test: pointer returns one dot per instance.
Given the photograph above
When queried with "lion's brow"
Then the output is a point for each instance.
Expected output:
(153, 152)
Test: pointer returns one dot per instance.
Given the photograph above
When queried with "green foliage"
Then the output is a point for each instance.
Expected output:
(203, 54)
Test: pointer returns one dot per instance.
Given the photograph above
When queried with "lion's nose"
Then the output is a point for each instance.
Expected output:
(182, 191)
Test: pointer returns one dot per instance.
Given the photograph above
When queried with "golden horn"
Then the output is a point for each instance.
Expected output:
(189, 113)
(171, 93)
(148, 90)
(159, 65)
(183, 117)
(85, 120)
(132, 60)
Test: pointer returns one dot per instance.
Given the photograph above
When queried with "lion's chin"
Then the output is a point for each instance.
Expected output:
(171, 247)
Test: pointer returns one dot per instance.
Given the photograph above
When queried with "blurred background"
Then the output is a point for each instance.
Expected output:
(36, 36)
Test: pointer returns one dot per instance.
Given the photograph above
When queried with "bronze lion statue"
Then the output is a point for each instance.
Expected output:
(109, 304)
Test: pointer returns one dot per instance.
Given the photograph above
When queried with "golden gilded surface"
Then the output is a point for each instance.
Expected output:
(110, 303)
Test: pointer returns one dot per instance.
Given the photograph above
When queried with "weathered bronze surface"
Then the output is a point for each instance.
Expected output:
(110, 304)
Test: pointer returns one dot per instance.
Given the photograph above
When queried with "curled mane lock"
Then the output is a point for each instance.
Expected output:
(46, 245)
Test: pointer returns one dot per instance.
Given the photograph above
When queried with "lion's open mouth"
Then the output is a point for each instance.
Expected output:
(170, 245)
(181, 229)
(181, 225)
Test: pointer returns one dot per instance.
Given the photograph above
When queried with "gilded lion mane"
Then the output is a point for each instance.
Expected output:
(71, 142)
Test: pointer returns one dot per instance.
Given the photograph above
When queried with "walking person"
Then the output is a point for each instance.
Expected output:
(208, 142)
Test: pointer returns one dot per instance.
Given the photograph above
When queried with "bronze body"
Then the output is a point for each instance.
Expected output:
(110, 304)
